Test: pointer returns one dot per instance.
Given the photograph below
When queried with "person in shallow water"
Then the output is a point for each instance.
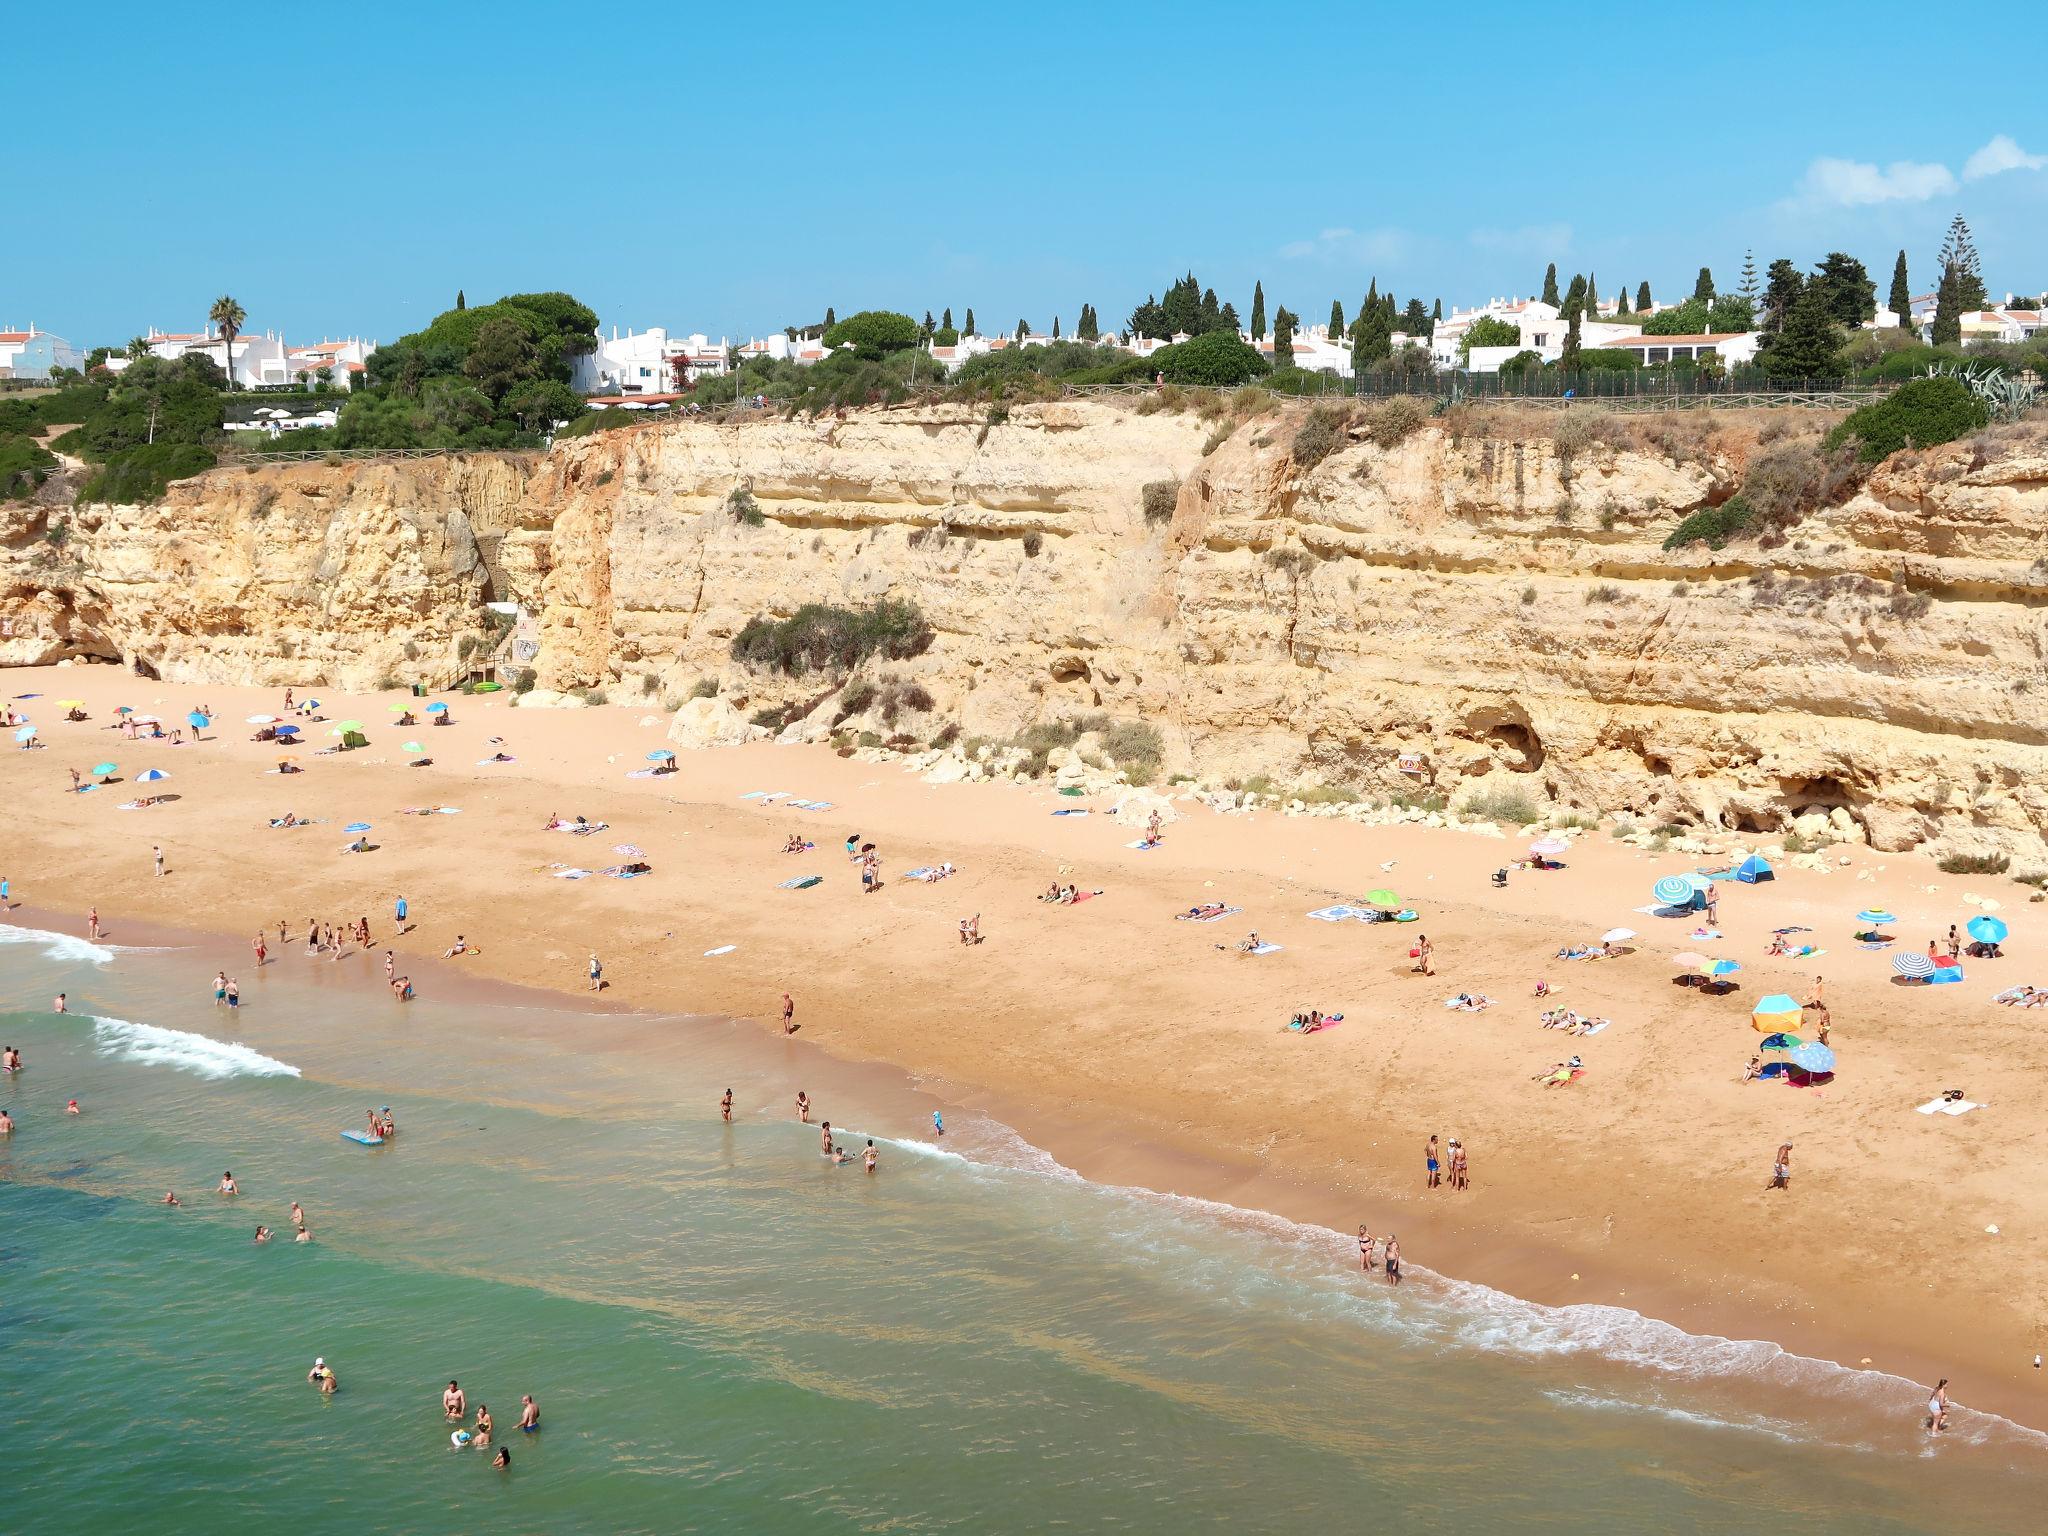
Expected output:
(529, 1413)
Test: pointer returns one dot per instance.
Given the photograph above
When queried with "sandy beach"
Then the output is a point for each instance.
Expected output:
(1145, 1050)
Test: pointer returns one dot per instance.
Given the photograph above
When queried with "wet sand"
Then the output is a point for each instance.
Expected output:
(1132, 1048)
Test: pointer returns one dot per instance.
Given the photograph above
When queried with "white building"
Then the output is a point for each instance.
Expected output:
(258, 361)
(1734, 348)
(647, 362)
(31, 354)
(340, 362)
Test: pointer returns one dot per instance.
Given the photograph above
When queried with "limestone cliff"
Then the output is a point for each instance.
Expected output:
(1465, 598)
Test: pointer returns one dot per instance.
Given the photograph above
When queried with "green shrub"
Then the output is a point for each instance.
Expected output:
(1918, 414)
(743, 508)
(1159, 498)
(24, 465)
(1319, 436)
(1214, 358)
(1394, 420)
(600, 421)
(1975, 863)
(870, 739)
(1511, 806)
(143, 474)
(1135, 747)
(1713, 526)
(854, 698)
(704, 688)
(1327, 794)
(820, 637)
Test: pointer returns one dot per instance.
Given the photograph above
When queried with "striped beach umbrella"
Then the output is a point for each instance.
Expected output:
(1875, 915)
(1912, 965)
(151, 776)
(1673, 890)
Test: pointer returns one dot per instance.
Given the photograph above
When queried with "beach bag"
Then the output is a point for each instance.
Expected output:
(1415, 954)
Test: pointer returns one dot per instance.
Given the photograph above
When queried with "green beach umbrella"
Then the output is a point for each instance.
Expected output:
(351, 725)
(1382, 898)
(412, 746)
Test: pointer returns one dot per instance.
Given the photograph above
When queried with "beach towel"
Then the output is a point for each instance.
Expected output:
(1328, 1021)
(1081, 896)
(1594, 1028)
(572, 874)
(492, 762)
(821, 805)
(1206, 917)
(1562, 1076)
(1336, 914)
(1468, 1004)
(801, 883)
(1144, 847)
(1946, 1107)
(1266, 949)
(630, 850)
(723, 949)
(755, 794)
(1078, 811)
(641, 773)
(918, 873)
(581, 828)
(621, 872)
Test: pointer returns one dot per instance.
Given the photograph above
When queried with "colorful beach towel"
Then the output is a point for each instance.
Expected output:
(1337, 914)
(1206, 917)
(1073, 811)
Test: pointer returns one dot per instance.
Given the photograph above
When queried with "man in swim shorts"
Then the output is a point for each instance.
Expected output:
(529, 1414)
(453, 1403)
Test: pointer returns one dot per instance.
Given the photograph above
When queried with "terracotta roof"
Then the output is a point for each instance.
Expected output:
(1701, 340)
(811, 352)
(2028, 316)
(936, 351)
(14, 335)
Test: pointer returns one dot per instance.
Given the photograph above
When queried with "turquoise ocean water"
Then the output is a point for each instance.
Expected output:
(727, 1333)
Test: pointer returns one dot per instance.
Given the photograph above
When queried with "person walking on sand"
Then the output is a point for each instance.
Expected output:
(803, 1106)
(398, 910)
(1937, 1408)
(1429, 1157)
(158, 852)
(725, 1106)
(1781, 1168)
(788, 1014)
(596, 973)
(1424, 956)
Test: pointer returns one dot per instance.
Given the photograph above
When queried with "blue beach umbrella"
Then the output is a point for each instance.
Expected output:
(357, 826)
(1813, 1057)
(1985, 930)
(1673, 890)
(437, 708)
(1912, 965)
(287, 730)
(1724, 967)
(1872, 915)
(1775, 1006)
(660, 755)
(25, 733)
(1780, 1042)
(197, 721)
(107, 768)
(151, 776)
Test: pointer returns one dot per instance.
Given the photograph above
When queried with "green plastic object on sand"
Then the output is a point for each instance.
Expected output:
(1072, 789)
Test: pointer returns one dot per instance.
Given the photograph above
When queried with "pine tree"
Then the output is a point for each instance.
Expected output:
(460, 301)
(1228, 316)
(1808, 346)
(1415, 319)
(1643, 304)
(1783, 285)
(1211, 314)
(1258, 311)
(1336, 318)
(1948, 308)
(1902, 293)
(830, 321)
(1703, 287)
(1550, 287)
(946, 320)
(1958, 250)
(1023, 330)
(1851, 295)
(1568, 355)
(969, 331)
(1748, 289)
(1372, 298)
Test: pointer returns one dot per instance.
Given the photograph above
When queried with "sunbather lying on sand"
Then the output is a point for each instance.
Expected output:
(1582, 952)
(1201, 914)
(937, 872)
(1560, 1074)
(2022, 997)
(1315, 1019)
(286, 820)
(1469, 1002)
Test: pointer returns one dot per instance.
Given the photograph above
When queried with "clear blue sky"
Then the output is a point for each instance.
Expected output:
(732, 169)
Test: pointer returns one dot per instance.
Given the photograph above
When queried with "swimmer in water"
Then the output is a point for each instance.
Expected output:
(453, 1403)
(825, 1138)
(503, 1458)
(305, 1235)
(298, 1216)
(839, 1155)
(10, 1060)
(170, 1198)
(484, 1425)
(868, 1157)
(59, 1006)
(228, 1185)
(72, 1108)
(6, 1123)
(529, 1414)
(263, 1234)
(803, 1106)
(322, 1375)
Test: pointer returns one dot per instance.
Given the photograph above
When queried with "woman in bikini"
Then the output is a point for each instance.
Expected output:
(1365, 1259)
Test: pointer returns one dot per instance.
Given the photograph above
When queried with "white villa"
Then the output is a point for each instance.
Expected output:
(1734, 348)
(31, 354)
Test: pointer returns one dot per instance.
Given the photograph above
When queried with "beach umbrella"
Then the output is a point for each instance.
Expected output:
(1725, 967)
(1985, 930)
(123, 709)
(1780, 1042)
(437, 708)
(145, 720)
(197, 721)
(1617, 935)
(1774, 1011)
(350, 725)
(412, 746)
(25, 733)
(1382, 898)
(151, 776)
(398, 709)
(287, 730)
(71, 703)
(1873, 915)
(103, 769)
(660, 755)
(1550, 847)
(262, 720)
(1689, 964)
(1912, 965)
(357, 826)
(1673, 890)
(1813, 1057)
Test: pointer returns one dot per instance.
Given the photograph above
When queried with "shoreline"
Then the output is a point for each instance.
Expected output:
(1147, 1065)
(1098, 1155)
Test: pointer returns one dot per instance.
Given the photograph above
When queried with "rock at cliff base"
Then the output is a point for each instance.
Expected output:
(1135, 809)
(711, 723)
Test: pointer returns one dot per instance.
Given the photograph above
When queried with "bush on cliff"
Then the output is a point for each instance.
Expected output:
(1918, 414)
(1713, 526)
(819, 637)
(1218, 358)
(143, 474)
(24, 465)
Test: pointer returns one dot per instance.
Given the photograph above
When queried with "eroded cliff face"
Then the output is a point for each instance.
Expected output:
(1473, 604)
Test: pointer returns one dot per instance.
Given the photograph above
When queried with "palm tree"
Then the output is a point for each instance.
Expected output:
(138, 348)
(228, 315)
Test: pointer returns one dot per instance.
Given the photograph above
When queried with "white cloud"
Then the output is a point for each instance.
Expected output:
(2001, 155)
(1853, 183)
(1537, 239)
(1350, 245)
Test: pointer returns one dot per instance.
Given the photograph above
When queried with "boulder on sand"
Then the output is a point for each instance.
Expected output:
(1134, 808)
(711, 723)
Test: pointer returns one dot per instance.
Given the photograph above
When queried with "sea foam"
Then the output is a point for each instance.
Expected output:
(153, 1046)
(58, 946)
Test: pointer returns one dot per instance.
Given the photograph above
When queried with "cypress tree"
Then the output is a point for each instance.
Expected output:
(1550, 286)
(1372, 298)
(463, 303)
(1023, 330)
(1435, 315)
(829, 320)
(1574, 297)
(929, 326)
(1703, 287)
(946, 320)
(1948, 308)
(1055, 327)
(1568, 355)
(1258, 311)
(970, 322)
(1336, 318)
(1621, 302)
(1643, 305)
(1283, 337)
(1592, 298)
(1902, 294)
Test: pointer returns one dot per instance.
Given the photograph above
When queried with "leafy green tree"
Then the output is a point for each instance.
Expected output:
(1336, 318)
(1850, 294)
(1149, 319)
(1258, 312)
(1217, 359)
(1488, 331)
(504, 355)
(1783, 284)
(1703, 286)
(874, 333)
(1959, 250)
(137, 348)
(1901, 302)
(1808, 346)
(461, 302)
(539, 403)
(1643, 303)
(1550, 287)
(1730, 312)
(227, 317)
(1575, 296)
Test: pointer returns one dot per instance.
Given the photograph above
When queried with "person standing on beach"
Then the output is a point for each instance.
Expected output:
(1781, 1169)
(398, 910)
(1393, 1260)
(803, 1106)
(158, 852)
(262, 950)
(725, 1106)
(1429, 1157)
(220, 988)
(596, 973)
(1937, 1407)
(938, 1125)
(1459, 1174)
(1425, 954)
(788, 1014)
(92, 925)
(1364, 1250)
